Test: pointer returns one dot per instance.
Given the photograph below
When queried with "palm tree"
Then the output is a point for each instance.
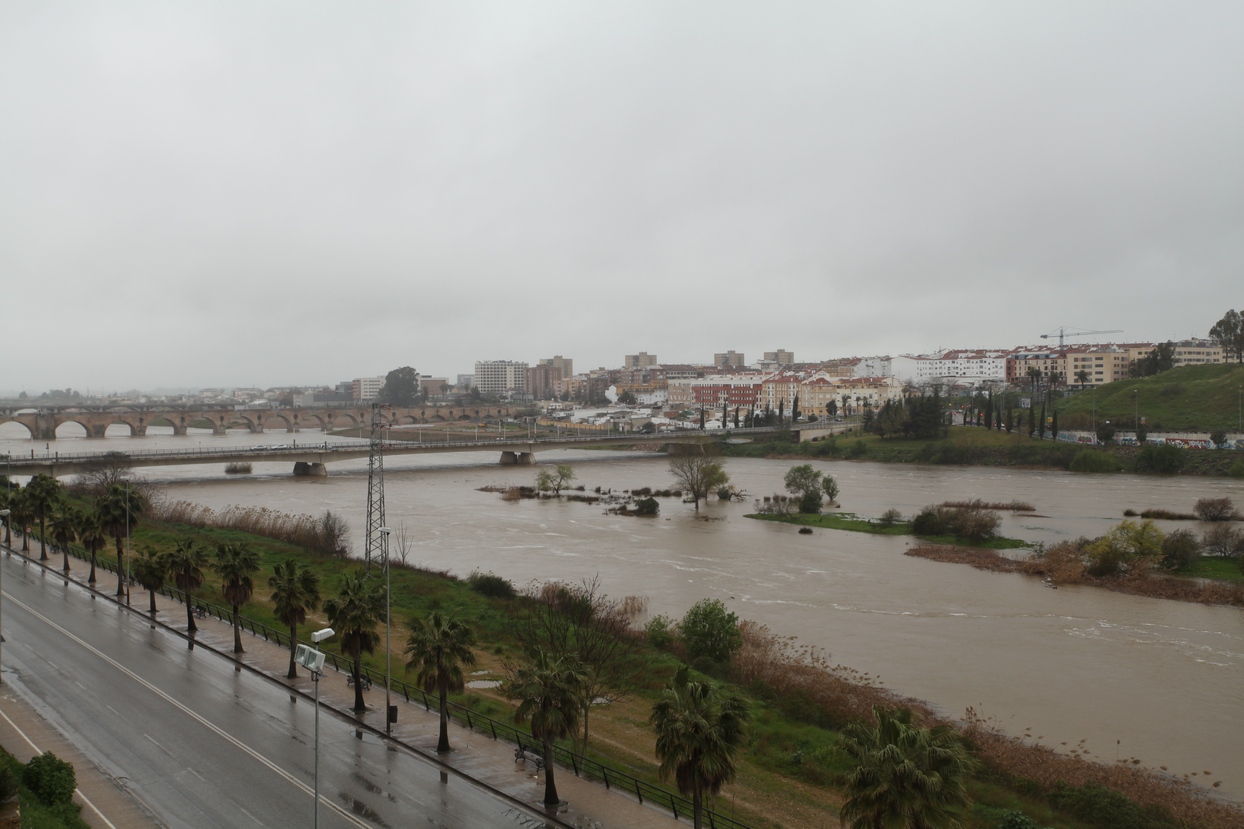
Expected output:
(43, 494)
(119, 508)
(65, 522)
(151, 569)
(19, 509)
(295, 592)
(439, 647)
(906, 777)
(236, 565)
(93, 538)
(1083, 377)
(6, 502)
(699, 729)
(185, 567)
(354, 613)
(549, 690)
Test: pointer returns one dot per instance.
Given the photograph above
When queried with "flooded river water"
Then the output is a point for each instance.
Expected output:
(1154, 679)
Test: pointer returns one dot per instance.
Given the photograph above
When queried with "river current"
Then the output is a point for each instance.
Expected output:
(1134, 677)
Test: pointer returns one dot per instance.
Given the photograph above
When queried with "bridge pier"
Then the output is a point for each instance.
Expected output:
(302, 469)
(45, 427)
(509, 458)
(219, 429)
(179, 430)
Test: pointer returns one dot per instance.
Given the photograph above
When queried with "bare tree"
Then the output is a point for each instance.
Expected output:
(403, 541)
(582, 621)
(698, 470)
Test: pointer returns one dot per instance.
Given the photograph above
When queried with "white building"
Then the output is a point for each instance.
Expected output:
(501, 378)
(961, 366)
(367, 388)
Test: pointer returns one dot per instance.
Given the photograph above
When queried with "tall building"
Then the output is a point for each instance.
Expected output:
(733, 359)
(641, 360)
(563, 364)
(544, 380)
(782, 357)
(366, 388)
(501, 378)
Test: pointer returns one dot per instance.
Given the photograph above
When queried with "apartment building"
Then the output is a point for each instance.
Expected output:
(781, 357)
(366, 388)
(641, 360)
(501, 378)
(957, 366)
(732, 359)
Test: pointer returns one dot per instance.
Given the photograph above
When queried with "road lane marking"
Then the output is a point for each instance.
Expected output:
(157, 745)
(78, 792)
(186, 710)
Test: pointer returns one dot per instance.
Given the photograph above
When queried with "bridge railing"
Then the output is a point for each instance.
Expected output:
(586, 767)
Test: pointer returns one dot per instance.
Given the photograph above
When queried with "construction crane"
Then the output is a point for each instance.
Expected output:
(1065, 331)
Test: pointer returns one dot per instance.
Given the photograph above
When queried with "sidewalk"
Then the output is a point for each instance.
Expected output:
(475, 756)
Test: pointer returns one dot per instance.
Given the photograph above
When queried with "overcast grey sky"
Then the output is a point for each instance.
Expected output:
(237, 193)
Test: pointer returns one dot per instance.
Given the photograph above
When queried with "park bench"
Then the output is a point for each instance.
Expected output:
(521, 756)
(364, 681)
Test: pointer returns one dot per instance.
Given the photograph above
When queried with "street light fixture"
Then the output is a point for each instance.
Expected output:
(1136, 404)
(388, 654)
(313, 660)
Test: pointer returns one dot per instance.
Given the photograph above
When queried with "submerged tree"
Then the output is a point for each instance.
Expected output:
(699, 472)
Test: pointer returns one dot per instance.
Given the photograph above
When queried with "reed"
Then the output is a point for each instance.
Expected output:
(326, 535)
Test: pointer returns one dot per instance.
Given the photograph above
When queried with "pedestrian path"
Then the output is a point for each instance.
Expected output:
(475, 756)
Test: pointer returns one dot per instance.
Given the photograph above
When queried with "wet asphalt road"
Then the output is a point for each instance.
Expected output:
(201, 743)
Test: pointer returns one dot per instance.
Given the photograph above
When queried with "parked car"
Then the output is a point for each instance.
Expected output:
(259, 448)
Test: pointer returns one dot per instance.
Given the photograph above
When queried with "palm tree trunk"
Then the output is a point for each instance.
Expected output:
(442, 745)
(91, 580)
(550, 786)
(120, 568)
(191, 627)
(237, 632)
(293, 646)
(697, 809)
(357, 669)
(151, 593)
(43, 545)
(66, 567)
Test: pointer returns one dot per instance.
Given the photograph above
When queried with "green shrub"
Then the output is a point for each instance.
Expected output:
(1106, 808)
(890, 517)
(710, 630)
(491, 585)
(1236, 470)
(1180, 550)
(1018, 820)
(858, 449)
(1086, 460)
(1214, 509)
(50, 778)
(810, 503)
(1163, 460)
(8, 783)
(972, 522)
(659, 631)
(648, 506)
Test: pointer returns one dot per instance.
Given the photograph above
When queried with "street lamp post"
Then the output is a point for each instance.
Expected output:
(4, 513)
(1136, 405)
(313, 661)
(388, 654)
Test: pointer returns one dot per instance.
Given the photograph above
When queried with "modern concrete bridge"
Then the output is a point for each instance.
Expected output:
(312, 458)
(42, 423)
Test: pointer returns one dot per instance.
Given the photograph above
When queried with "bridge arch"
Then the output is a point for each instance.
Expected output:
(318, 420)
(73, 421)
(30, 432)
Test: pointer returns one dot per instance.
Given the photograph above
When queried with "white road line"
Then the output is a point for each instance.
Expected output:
(157, 745)
(78, 792)
(188, 712)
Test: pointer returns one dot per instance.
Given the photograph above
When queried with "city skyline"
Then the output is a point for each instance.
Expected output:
(288, 194)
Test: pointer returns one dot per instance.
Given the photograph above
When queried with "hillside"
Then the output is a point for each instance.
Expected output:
(1189, 398)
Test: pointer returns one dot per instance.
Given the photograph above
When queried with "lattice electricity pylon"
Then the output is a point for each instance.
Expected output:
(375, 546)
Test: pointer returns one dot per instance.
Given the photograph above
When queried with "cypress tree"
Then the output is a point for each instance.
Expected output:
(1054, 427)
(1032, 423)
(989, 413)
(1010, 419)
(1041, 427)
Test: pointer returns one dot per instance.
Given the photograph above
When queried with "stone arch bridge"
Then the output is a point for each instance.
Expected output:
(43, 423)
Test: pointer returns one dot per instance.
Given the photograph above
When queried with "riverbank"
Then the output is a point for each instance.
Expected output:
(790, 773)
(1056, 568)
(849, 522)
(977, 446)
